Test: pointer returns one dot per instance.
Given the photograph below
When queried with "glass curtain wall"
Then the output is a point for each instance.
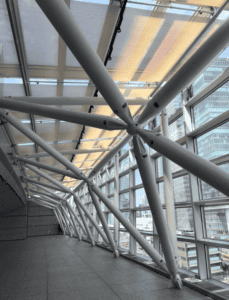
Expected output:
(121, 182)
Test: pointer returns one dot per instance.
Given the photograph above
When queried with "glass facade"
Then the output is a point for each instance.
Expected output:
(133, 203)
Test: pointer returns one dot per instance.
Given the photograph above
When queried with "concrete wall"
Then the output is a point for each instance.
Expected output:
(13, 226)
(41, 221)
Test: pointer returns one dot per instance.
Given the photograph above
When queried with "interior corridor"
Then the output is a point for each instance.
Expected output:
(59, 267)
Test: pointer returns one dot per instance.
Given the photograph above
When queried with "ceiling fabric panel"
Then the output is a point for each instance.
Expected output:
(215, 3)
(41, 39)
(148, 49)
(8, 54)
(90, 17)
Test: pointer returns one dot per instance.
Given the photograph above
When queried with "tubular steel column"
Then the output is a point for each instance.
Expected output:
(116, 197)
(103, 221)
(131, 229)
(66, 219)
(73, 223)
(168, 186)
(197, 210)
(58, 219)
(62, 220)
(149, 183)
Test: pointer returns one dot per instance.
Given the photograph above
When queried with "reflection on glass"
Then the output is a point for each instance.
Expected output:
(214, 143)
(111, 187)
(144, 220)
(174, 105)
(127, 216)
(176, 129)
(187, 256)
(137, 177)
(214, 70)
(181, 187)
(140, 250)
(217, 222)
(124, 182)
(111, 172)
(219, 263)
(140, 198)
(209, 192)
(124, 164)
(124, 201)
(213, 106)
(124, 240)
(184, 221)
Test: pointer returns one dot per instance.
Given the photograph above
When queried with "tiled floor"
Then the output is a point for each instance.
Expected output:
(58, 267)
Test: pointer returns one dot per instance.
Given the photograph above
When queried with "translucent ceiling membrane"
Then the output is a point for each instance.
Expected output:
(148, 49)
(41, 39)
(90, 17)
(215, 3)
(8, 54)
(75, 88)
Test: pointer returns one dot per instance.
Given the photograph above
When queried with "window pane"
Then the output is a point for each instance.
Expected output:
(174, 105)
(209, 192)
(124, 240)
(140, 198)
(111, 172)
(124, 182)
(144, 220)
(176, 129)
(110, 220)
(187, 256)
(159, 167)
(216, 218)
(124, 201)
(124, 149)
(140, 250)
(127, 216)
(161, 192)
(124, 164)
(182, 189)
(137, 177)
(214, 143)
(214, 70)
(111, 187)
(184, 221)
(104, 177)
(213, 106)
(219, 263)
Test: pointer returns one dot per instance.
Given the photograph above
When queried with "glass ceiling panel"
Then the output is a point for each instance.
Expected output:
(8, 54)
(73, 88)
(42, 87)
(90, 17)
(151, 42)
(41, 39)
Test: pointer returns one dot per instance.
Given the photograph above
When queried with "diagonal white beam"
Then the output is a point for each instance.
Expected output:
(187, 73)
(46, 167)
(93, 120)
(66, 25)
(73, 101)
(67, 152)
(150, 186)
(200, 167)
(43, 184)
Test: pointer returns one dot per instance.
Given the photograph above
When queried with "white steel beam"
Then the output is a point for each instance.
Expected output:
(93, 120)
(66, 25)
(74, 100)
(67, 152)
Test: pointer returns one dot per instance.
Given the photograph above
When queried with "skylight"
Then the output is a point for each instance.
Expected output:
(43, 81)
